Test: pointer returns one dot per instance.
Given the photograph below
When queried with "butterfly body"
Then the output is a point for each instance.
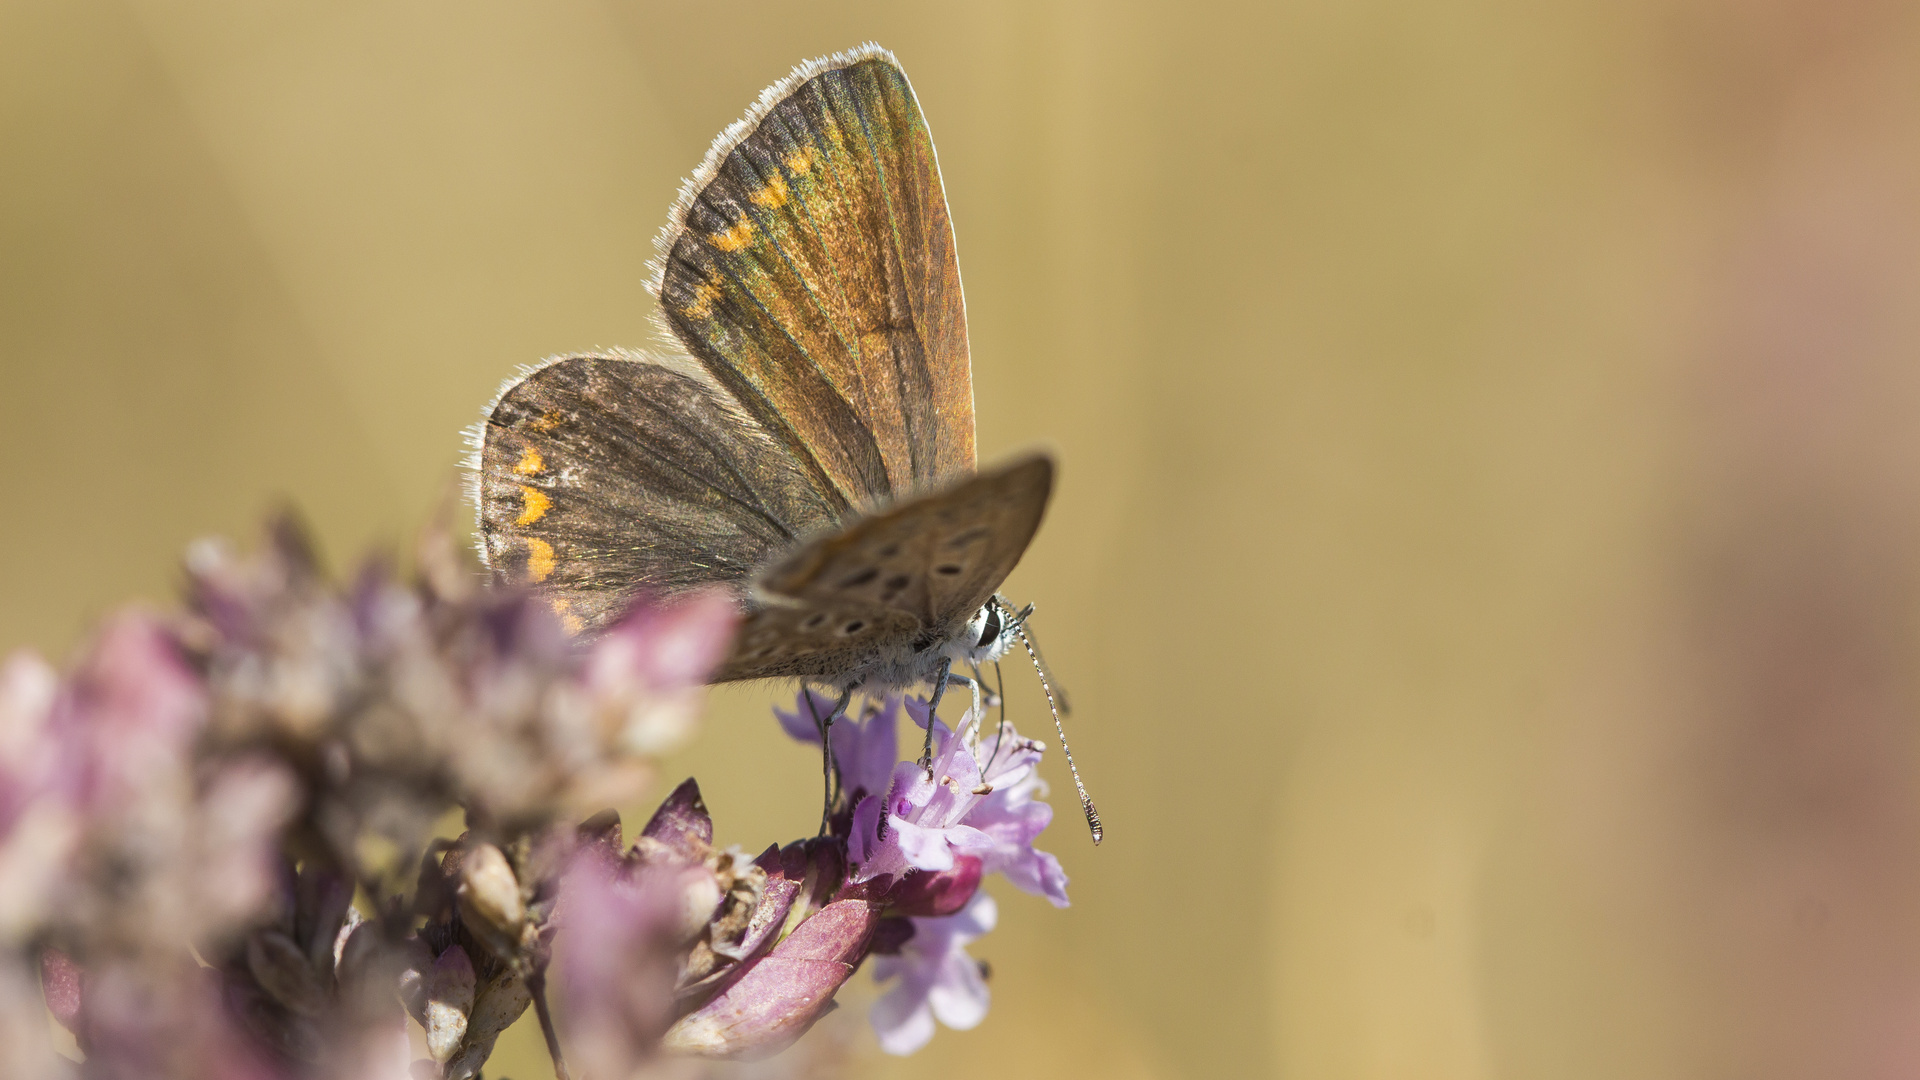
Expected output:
(810, 444)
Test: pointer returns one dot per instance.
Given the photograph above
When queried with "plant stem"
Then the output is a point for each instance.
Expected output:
(537, 982)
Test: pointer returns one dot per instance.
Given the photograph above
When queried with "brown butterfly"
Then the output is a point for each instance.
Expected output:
(813, 447)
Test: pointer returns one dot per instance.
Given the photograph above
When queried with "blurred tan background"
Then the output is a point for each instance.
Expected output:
(1485, 560)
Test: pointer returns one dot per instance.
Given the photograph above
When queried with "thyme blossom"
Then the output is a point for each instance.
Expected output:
(926, 836)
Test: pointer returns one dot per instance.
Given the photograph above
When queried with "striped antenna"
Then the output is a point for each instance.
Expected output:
(1086, 801)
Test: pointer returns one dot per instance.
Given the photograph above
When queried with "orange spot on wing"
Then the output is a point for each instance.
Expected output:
(540, 560)
(547, 421)
(530, 462)
(567, 618)
(800, 161)
(734, 239)
(533, 505)
(773, 196)
(704, 294)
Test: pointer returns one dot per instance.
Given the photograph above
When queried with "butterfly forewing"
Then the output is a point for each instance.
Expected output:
(602, 477)
(810, 268)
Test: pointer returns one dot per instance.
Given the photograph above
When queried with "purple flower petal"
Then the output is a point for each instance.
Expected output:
(682, 823)
(768, 919)
(921, 848)
(935, 979)
(959, 996)
(867, 748)
(864, 840)
(799, 724)
(917, 711)
(780, 995)
(130, 708)
(840, 931)
(614, 960)
(669, 646)
(819, 865)
(1039, 873)
(901, 1019)
(772, 1005)
(769, 916)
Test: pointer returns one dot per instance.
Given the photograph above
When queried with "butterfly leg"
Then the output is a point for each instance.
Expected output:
(999, 698)
(973, 684)
(941, 681)
(933, 707)
(829, 769)
(993, 699)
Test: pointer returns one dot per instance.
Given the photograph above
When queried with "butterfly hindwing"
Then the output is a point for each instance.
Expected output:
(937, 558)
(810, 267)
(604, 476)
(812, 641)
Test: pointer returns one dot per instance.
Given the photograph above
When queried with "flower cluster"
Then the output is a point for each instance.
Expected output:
(187, 814)
(227, 845)
(927, 835)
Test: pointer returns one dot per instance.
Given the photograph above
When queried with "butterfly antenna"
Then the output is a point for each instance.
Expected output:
(1053, 706)
(1033, 648)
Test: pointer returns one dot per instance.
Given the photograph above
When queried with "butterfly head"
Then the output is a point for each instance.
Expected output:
(992, 632)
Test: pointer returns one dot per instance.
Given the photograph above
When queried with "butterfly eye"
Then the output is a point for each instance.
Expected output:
(989, 626)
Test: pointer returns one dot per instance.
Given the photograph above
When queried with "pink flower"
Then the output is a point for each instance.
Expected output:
(926, 841)
(937, 980)
(923, 824)
(865, 749)
(615, 961)
(37, 834)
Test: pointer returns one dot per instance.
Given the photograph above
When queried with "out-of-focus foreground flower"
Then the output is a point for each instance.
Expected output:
(219, 856)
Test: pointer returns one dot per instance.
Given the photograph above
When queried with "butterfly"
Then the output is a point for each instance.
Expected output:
(811, 446)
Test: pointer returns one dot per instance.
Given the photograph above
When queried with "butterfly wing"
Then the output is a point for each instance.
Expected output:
(909, 576)
(604, 476)
(813, 641)
(809, 266)
(809, 269)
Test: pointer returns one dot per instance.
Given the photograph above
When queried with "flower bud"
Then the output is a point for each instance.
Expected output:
(367, 973)
(490, 897)
(449, 988)
(417, 959)
(699, 894)
(281, 969)
(495, 1008)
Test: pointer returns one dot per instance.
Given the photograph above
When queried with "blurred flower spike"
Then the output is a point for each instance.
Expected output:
(221, 856)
